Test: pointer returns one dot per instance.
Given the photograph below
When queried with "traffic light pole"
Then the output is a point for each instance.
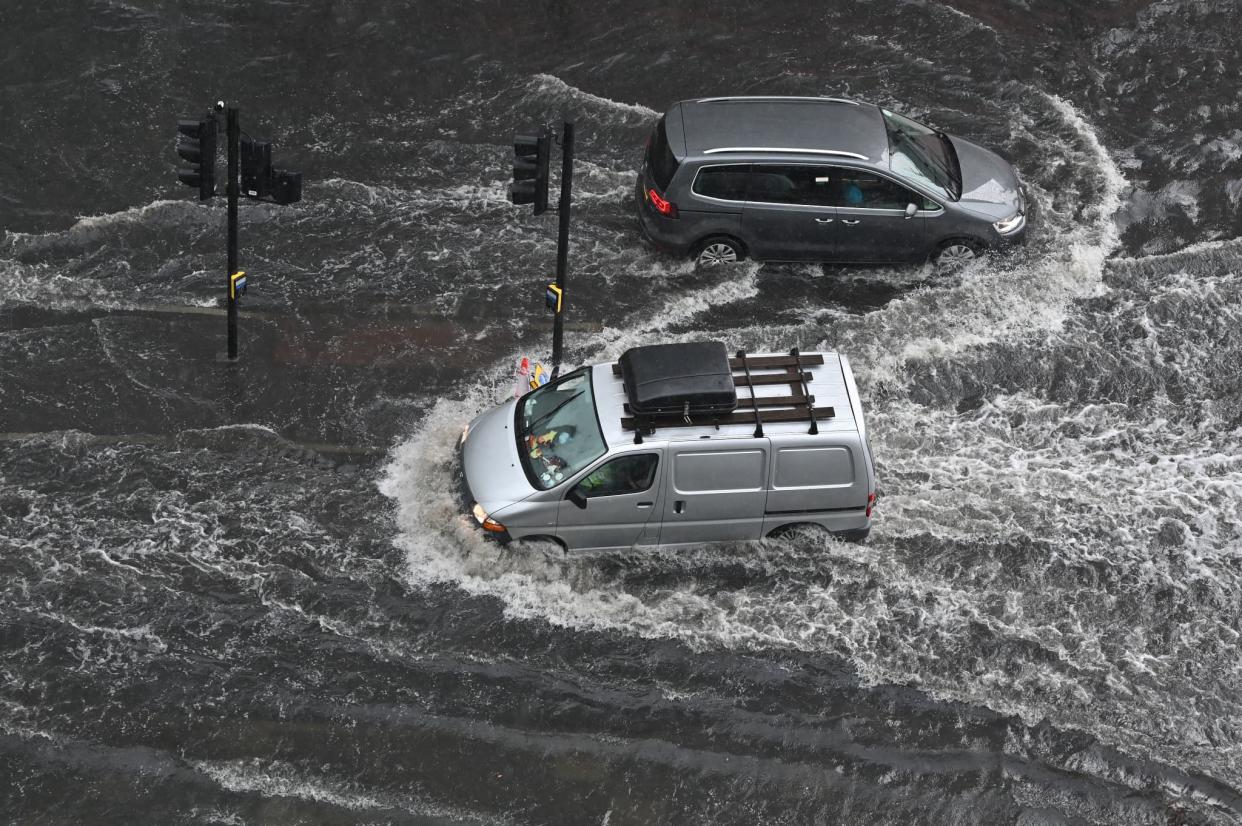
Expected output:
(562, 241)
(233, 129)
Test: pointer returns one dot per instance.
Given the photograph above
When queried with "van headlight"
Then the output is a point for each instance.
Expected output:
(487, 523)
(465, 431)
(1010, 225)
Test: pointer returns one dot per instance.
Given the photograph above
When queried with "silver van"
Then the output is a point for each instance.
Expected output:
(676, 444)
(820, 179)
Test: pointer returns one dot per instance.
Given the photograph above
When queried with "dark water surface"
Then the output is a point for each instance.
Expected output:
(246, 594)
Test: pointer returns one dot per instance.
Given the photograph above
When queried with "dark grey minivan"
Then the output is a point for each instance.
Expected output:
(820, 179)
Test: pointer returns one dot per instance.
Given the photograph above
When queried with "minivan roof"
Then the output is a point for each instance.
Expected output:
(829, 386)
(797, 123)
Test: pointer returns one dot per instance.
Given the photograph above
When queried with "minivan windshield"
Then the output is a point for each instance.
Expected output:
(557, 430)
(922, 153)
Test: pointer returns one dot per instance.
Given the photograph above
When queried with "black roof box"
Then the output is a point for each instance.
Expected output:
(664, 378)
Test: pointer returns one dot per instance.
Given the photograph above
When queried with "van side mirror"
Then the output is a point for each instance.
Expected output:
(576, 496)
(911, 210)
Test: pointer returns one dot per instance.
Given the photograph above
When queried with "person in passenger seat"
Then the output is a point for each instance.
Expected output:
(852, 193)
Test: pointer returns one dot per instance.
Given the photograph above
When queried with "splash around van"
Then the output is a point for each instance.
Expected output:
(676, 444)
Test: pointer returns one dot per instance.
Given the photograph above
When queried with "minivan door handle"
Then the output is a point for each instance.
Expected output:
(848, 221)
(679, 506)
(645, 504)
(823, 220)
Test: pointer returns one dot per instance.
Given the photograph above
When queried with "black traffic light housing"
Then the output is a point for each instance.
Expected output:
(196, 143)
(530, 170)
(260, 180)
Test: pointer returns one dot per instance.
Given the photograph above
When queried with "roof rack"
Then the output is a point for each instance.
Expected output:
(752, 371)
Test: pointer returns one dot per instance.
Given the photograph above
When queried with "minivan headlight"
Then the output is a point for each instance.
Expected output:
(1011, 224)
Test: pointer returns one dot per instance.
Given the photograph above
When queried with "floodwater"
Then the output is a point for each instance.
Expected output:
(246, 593)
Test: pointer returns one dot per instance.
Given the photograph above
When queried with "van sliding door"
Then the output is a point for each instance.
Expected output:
(715, 491)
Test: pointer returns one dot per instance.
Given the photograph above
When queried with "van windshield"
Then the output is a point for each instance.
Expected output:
(557, 430)
(922, 153)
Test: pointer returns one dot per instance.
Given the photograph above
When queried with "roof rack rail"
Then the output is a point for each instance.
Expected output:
(745, 98)
(790, 150)
(753, 371)
(810, 410)
(741, 356)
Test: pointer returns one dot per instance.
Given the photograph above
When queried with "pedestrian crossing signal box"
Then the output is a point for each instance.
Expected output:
(237, 284)
(554, 297)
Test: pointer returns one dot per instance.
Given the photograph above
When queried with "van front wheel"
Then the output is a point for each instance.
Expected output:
(532, 541)
(719, 251)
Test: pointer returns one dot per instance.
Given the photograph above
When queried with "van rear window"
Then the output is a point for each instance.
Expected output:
(660, 159)
(814, 467)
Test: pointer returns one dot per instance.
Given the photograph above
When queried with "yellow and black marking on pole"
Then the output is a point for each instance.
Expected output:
(554, 298)
(237, 281)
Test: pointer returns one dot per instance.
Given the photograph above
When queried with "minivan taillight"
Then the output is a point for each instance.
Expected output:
(870, 503)
(666, 208)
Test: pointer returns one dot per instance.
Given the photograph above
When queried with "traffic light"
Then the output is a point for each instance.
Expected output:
(530, 170)
(260, 180)
(256, 167)
(197, 144)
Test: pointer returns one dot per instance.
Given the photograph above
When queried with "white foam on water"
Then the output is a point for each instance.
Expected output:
(552, 85)
(994, 301)
(736, 284)
(277, 779)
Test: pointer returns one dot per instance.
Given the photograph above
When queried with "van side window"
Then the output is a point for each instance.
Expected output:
(855, 188)
(814, 467)
(733, 470)
(725, 182)
(792, 184)
(625, 474)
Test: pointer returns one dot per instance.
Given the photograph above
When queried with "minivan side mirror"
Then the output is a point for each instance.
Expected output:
(576, 496)
(911, 210)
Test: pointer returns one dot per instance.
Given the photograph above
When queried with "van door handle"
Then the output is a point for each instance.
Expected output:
(823, 220)
(679, 506)
(848, 221)
(645, 504)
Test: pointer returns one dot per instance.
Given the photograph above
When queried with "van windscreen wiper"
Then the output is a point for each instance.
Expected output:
(530, 428)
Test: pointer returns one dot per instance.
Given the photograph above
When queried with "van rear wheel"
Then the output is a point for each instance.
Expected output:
(718, 251)
(799, 529)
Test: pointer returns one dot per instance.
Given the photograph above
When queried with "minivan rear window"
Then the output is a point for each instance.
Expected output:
(728, 183)
(660, 159)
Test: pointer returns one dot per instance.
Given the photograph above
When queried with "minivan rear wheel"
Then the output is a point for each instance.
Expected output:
(719, 251)
(956, 253)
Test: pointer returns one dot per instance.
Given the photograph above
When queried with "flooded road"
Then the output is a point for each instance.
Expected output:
(247, 593)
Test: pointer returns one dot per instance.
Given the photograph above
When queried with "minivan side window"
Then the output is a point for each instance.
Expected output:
(728, 183)
(864, 190)
(790, 184)
(625, 474)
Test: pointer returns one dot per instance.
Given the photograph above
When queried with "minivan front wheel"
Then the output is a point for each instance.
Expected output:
(718, 252)
(956, 253)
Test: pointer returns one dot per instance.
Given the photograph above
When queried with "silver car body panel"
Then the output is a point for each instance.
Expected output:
(710, 484)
